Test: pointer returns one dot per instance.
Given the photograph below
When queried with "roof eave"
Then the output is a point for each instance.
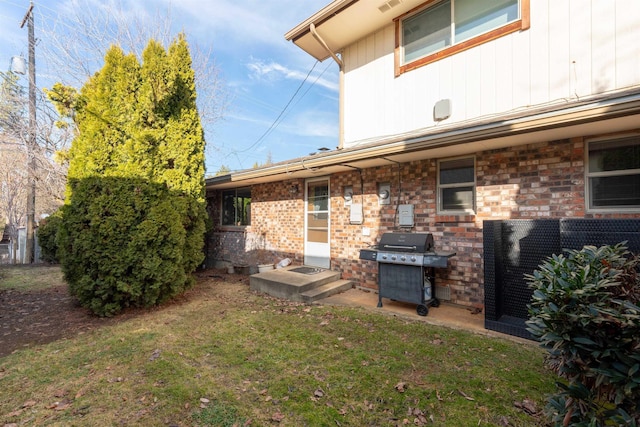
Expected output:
(318, 18)
(625, 104)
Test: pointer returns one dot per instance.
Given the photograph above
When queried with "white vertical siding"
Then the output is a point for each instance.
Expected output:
(627, 43)
(522, 71)
(540, 43)
(560, 70)
(581, 42)
(603, 75)
(574, 48)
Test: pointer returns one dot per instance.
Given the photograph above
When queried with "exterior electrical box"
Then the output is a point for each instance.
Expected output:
(355, 214)
(405, 215)
(384, 193)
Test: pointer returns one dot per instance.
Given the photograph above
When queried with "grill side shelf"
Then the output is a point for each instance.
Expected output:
(439, 259)
(369, 254)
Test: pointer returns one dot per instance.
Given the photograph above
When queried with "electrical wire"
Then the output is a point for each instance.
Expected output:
(276, 121)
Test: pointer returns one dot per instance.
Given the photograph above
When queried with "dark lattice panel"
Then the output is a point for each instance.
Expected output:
(510, 326)
(525, 245)
(514, 248)
(576, 233)
(490, 236)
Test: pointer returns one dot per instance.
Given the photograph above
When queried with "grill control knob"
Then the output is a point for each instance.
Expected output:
(403, 258)
(413, 259)
(384, 257)
(393, 257)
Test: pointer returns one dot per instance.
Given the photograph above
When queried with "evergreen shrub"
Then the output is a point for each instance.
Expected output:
(48, 237)
(585, 312)
(133, 220)
(126, 242)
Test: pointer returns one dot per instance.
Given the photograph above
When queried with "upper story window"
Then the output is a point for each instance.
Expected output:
(236, 207)
(613, 174)
(449, 26)
(457, 186)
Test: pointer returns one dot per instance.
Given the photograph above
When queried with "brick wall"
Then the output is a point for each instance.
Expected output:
(276, 230)
(542, 180)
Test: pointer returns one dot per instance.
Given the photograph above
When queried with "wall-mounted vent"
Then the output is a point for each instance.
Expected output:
(442, 110)
(443, 293)
(389, 5)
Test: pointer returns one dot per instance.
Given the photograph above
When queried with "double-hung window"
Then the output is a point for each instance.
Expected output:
(613, 174)
(457, 186)
(236, 207)
(448, 26)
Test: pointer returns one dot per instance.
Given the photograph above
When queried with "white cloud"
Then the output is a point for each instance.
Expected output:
(313, 123)
(248, 22)
(273, 71)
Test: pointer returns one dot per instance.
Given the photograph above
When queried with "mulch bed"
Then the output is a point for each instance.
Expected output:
(39, 317)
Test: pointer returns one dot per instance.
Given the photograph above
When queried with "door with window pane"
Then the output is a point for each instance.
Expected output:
(317, 250)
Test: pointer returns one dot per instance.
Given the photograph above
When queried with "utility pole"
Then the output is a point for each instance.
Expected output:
(31, 144)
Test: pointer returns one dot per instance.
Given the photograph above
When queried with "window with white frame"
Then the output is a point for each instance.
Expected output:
(456, 186)
(448, 26)
(236, 207)
(613, 174)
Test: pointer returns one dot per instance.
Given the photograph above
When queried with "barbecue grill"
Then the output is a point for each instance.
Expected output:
(406, 268)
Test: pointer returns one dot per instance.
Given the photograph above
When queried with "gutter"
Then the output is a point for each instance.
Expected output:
(314, 32)
(318, 18)
(595, 109)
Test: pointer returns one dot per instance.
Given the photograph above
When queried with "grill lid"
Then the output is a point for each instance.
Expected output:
(406, 242)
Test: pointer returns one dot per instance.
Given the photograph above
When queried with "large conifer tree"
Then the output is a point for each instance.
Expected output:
(133, 225)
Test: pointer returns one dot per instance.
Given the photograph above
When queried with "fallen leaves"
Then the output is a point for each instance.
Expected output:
(401, 387)
(317, 395)
(463, 394)
(61, 405)
(527, 406)
(419, 417)
(277, 417)
(29, 404)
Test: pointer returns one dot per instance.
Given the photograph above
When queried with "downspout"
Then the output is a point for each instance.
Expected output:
(314, 33)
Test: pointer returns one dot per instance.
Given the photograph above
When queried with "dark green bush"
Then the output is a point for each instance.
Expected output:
(585, 312)
(48, 237)
(129, 243)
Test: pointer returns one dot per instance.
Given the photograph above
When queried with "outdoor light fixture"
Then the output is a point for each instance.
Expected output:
(293, 189)
(19, 65)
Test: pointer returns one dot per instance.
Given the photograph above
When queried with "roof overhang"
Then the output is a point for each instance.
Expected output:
(597, 115)
(344, 22)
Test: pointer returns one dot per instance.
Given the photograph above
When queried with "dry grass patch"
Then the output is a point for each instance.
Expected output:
(223, 356)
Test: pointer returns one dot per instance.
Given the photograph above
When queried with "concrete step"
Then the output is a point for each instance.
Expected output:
(284, 283)
(326, 290)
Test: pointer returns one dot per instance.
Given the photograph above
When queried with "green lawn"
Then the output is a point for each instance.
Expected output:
(223, 356)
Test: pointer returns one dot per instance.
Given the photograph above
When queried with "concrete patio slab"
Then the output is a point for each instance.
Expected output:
(447, 315)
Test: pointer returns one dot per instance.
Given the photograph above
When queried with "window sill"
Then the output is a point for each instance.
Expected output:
(232, 227)
(444, 218)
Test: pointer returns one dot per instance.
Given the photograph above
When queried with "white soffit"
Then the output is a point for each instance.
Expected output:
(344, 22)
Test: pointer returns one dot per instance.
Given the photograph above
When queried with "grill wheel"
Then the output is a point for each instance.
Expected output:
(422, 310)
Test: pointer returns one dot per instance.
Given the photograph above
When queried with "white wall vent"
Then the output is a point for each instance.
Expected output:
(442, 110)
(389, 5)
(443, 293)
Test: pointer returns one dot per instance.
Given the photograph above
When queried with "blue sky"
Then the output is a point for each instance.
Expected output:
(258, 69)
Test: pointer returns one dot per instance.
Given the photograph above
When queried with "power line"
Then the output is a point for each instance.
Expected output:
(275, 122)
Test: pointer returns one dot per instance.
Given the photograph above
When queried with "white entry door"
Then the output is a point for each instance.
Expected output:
(317, 250)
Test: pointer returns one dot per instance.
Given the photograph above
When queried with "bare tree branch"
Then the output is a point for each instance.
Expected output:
(75, 47)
